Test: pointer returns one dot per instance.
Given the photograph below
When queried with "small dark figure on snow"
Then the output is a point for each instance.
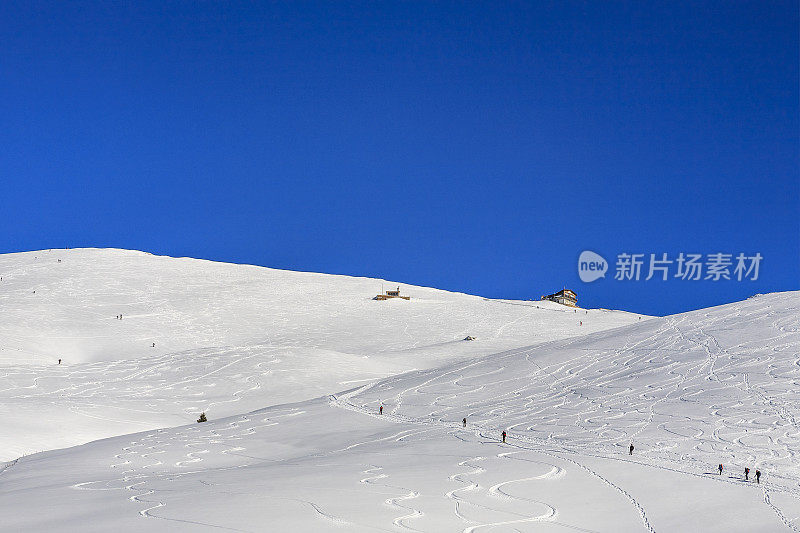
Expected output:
(630, 450)
(720, 469)
(504, 436)
(758, 477)
(59, 361)
(464, 422)
(380, 410)
(746, 474)
(202, 418)
(154, 345)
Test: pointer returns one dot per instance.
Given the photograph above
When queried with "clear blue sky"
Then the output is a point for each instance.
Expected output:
(476, 147)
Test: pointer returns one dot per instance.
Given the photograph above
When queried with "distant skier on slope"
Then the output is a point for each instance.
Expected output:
(630, 450)
(464, 422)
(720, 469)
(758, 477)
(380, 410)
(504, 436)
(746, 474)
(59, 361)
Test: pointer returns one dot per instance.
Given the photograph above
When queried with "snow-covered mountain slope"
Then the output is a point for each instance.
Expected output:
(67, 310)
(228, 339)
(690, 391)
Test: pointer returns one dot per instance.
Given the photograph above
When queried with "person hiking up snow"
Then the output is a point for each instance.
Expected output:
(720, 469)
(464, 422)
(630, 450)
(59, 361)
(746, 473)
(380, 411)
(758, 477)
(504, 436)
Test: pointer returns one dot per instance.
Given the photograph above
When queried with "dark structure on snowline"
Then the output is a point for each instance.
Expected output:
(564, 297)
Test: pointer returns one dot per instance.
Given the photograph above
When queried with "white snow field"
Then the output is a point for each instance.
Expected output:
(689, 391)
(228, 339)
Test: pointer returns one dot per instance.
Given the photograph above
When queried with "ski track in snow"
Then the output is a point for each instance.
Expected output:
(431, 398)
(552, 388)
(138, 473)
(343, 401)
(689, 391)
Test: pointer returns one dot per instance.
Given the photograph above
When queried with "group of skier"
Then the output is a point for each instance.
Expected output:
(630, 451)
(746, 473)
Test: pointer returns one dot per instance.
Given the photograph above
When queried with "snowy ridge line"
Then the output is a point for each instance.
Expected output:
(343, 401)
(8, 465)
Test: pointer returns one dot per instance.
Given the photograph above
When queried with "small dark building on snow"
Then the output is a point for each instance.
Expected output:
(564, 297)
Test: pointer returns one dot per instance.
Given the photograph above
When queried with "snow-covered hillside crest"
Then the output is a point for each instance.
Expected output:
(64, 303)
(198, 336)
(690, 391)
